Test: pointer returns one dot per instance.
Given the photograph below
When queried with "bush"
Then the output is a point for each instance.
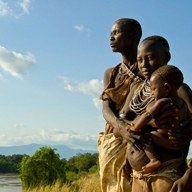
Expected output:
(43, 168)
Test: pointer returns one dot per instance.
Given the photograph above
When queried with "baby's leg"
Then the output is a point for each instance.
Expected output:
(154, 163)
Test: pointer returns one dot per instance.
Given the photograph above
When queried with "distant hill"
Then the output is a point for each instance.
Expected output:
(62, 150)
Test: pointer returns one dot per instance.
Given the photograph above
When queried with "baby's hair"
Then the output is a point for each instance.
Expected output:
(162, 41)
(170, 74)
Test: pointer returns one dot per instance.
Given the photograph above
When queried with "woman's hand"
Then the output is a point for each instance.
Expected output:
(180, 137)
(169, 118)
(157, 108)
(166, 114)
(184, 183)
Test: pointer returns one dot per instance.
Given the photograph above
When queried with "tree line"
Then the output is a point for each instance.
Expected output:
(10, 163)
(45, 167)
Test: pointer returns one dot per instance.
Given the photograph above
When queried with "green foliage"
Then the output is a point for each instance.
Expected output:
(10, 164)
(71, 176)
(43, 168)
(82, 162)
(80, 165)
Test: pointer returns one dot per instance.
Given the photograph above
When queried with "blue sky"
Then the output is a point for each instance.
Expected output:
(53, 54)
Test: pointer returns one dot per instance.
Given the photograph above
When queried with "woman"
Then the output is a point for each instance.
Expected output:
(153, 53)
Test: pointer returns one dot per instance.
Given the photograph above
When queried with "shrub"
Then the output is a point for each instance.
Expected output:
(43, 168)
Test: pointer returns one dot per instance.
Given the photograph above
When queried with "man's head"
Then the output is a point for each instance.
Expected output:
(125, 35)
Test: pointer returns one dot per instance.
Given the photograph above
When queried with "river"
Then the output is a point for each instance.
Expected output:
(10, 183)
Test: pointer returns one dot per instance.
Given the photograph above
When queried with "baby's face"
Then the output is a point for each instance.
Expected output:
(150, 56)
(157, 87)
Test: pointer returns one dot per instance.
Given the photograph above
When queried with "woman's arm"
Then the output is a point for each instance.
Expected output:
(185, 93)
(184, 183)
(184, 134)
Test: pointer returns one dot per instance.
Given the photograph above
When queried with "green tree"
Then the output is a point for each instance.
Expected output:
(82, 162)
(10, 164)
(43, 168)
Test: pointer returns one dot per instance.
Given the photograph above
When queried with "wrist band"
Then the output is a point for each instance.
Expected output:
(122, 116)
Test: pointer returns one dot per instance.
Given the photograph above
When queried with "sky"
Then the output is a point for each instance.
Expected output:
(53, 54)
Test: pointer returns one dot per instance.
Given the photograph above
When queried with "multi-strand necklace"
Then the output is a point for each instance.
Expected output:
(125, 71)
(142, 98)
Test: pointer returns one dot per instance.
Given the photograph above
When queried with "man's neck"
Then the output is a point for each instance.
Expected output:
(128, 60)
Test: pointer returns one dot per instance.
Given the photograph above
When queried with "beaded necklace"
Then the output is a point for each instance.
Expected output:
(125, 71)
(142, 98)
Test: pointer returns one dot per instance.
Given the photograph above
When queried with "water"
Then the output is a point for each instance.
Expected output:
(10, 183)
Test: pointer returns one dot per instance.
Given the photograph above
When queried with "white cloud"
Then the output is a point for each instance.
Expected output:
(97, 103)
(92, 88)
(1, 77)
(15, 63)
(67, 84)
(14, 8)
(53, 137)
(4, 9)
(82, 28)
(25, 4)
(19, 125)
(71, 139)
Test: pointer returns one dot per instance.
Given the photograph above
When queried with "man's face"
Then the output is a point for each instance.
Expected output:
(119, 38)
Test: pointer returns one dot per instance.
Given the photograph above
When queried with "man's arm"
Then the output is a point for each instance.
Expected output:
(107, 111)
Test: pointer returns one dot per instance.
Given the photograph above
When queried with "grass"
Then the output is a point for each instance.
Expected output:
(84, 184)
(87, 183)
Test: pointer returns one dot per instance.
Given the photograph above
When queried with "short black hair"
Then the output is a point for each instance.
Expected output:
(161, 40)
(133, 26)
(170, 74)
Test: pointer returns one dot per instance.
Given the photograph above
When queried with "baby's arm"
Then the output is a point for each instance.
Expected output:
(151, 111)
(141, 121)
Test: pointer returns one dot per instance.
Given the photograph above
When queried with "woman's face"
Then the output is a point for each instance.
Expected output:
(150, 56)
(120, 39)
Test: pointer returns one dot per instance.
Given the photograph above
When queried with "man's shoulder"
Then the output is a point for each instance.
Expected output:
(111, 69)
